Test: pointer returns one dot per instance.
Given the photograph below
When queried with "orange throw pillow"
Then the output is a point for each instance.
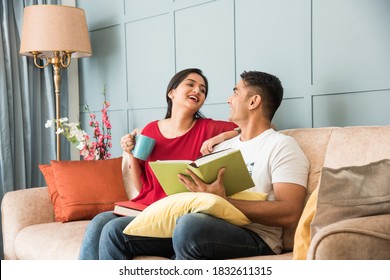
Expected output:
(87, 188)
(48, 174)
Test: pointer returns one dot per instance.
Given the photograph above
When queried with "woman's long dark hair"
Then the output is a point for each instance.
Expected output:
(174, 83)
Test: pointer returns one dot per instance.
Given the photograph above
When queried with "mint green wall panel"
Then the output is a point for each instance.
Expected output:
(138, 118)
(150, 60)
(102, 13)
(351, 44)
(138, 9)
(190, 2)
(205, 39)
(105, 67)
(274, 37)
(291, 113)
(119, 128)
(357, 108)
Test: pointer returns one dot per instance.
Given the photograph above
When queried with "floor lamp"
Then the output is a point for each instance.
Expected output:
(54, 34)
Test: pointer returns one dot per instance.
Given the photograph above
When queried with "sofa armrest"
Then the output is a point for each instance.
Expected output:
(359, 238)
(20, 209)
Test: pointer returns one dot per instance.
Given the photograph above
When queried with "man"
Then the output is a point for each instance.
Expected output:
(278, 167)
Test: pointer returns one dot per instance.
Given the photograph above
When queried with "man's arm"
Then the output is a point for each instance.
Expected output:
(284, 211)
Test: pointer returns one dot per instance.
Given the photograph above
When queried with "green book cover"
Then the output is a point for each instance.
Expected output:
(235, 179)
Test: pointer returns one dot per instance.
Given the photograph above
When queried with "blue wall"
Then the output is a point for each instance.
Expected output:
(333, 57)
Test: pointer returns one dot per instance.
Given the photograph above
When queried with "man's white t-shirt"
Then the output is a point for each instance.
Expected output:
(271, 157)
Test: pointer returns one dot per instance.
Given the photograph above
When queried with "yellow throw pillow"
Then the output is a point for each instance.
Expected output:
(159, 219)
(249, 195)
(302, 234)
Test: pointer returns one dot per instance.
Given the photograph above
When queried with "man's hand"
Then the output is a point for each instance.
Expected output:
(197, 185)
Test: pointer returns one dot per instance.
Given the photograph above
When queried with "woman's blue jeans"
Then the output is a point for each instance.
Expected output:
(90, 245)
(196, 236)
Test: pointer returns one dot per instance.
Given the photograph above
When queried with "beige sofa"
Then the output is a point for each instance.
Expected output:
(30, 232)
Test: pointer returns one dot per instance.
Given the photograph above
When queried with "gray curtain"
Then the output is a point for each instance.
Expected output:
(26, 102)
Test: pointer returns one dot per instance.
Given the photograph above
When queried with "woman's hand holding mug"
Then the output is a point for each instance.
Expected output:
(128, 141)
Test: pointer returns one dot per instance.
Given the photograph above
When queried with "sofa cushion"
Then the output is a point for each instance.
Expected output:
(87, 188)
(352, 192)
(342, 194)
(159, 219)
(50, 241)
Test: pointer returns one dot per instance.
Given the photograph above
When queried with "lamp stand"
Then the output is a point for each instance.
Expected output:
(57, 61)
(52, 34)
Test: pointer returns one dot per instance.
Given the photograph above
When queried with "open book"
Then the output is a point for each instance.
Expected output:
(235, 179)
(128, 208)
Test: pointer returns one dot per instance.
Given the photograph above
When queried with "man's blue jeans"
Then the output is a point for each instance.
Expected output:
(196, 236)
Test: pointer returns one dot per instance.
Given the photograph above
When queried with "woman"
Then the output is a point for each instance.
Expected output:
(179, 136)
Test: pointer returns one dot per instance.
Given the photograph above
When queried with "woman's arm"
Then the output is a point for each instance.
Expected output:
(208, 145)
(135, 173)
(127, 144)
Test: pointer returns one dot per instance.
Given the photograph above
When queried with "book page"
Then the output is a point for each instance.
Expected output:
(174, 161)
(210, 157)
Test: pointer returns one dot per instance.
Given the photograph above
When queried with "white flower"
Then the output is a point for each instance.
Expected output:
(72, 125)
(80, 135)
(59, 130)
(84, 152)
(49, 123)
(97, 156)
(62, 120)
(73, 129)
(80, 146)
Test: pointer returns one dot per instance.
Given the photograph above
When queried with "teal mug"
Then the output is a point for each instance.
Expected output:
(143, 146)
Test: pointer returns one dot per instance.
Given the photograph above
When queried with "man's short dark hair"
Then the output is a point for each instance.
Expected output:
(268, 87)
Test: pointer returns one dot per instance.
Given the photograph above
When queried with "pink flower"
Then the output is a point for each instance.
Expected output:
(89, 150)
(102, 135)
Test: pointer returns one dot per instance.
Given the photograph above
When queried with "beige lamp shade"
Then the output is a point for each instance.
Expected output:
(48, 28)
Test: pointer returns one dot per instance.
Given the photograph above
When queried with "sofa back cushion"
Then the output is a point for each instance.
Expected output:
(313, 142)
(357, 145)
